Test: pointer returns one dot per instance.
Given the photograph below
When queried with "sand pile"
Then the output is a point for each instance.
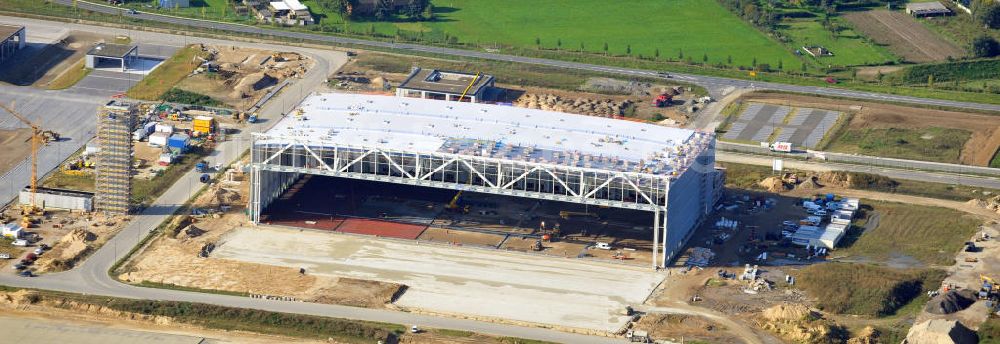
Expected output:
(788, 312)
(773, 184)
(797, 323)
(951, 302)
(251, 83)
(940, 331)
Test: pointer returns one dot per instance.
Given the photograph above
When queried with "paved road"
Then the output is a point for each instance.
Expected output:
(91, 277)
(705, 81)
(43, 331)
(933, 177)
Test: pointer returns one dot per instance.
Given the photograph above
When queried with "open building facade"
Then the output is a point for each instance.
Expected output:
(492, 149)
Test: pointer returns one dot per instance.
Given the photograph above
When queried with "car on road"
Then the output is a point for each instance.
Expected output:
(39, 251)
(664, 75)
(4, 256)
(414, 329)
(20, 266)
(26, 273)
(133, 12)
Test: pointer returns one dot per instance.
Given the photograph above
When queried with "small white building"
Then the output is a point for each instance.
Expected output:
(290, 12)
(12, 230)
(59, 199)
(926, 9)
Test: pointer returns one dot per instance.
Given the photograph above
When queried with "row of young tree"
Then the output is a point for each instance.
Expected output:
(413, 10)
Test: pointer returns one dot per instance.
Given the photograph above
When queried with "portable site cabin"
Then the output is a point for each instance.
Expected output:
(12, 230)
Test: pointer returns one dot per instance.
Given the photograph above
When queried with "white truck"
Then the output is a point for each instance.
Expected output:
(784, 147)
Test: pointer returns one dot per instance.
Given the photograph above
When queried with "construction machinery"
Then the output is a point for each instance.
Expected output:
(571, 214)
(663, 100)
(467, 88)
(453, 206)
(989, 289)
(39, 137)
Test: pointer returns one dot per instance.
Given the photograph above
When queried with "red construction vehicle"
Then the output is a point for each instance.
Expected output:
(663, 100)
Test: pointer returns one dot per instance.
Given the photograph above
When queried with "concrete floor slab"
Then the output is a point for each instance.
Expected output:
(459, 280)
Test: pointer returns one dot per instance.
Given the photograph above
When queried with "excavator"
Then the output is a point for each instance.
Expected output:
(39, 138)
(453, 206)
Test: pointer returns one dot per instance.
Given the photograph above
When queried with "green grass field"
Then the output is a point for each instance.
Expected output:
(865, 289)
(929, 144)
(930, 235)
(696, 28)
(205, 9)
(849, 48)
(168, 74)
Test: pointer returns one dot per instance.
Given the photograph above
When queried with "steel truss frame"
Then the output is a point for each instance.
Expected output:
(627, 190)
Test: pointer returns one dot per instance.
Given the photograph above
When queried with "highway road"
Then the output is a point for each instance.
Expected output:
(708, 82)
(91, 277)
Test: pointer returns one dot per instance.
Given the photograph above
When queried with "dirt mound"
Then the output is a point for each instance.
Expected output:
(773, 184)
(251, 83)
(798, 323)
(940, 331)
(677, 326)
(868, 335)
(989, 203)
(809, 184)
(20, 297)
(788, 312)
(359, 293)
(582, 106)
(951, 302)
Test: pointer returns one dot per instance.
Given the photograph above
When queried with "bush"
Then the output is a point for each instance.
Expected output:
(962, 70)
(985, 46)
(989, 331)
(176, 95)
(865, 289)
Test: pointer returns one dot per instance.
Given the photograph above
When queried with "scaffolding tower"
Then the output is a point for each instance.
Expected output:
(115, 122)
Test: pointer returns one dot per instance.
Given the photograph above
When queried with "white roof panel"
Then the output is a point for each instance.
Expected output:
(295, 5)
(503, 132)
(279, 6)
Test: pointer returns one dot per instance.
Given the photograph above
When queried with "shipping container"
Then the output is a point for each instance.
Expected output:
(149, 127)
(179, 141)
(204, 124)
(158, 139)
(59, 199)
(139, 134)
(165, 159)
(164, 128)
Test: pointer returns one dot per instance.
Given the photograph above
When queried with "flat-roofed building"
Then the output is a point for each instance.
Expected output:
(494, 149)
(926, 9)
(13, 39)
(445, 85)
(122, 53)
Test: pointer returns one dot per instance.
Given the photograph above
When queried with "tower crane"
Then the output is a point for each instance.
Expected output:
(38, 137)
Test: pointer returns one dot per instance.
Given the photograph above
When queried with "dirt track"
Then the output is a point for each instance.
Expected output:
(16, 145)
(977, 151)
(904, 35)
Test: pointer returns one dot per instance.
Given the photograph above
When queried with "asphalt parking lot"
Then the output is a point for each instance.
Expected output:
(107, 81)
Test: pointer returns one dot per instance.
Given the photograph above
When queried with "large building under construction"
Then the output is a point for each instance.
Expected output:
(491, 149)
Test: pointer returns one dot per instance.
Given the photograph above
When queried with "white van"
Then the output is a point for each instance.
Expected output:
(603, 245)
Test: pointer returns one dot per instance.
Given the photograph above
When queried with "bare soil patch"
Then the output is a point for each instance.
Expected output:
(239, 77)
(177, 258)
(17, 147)
(978, 150)
(686, 327)
(904, 36)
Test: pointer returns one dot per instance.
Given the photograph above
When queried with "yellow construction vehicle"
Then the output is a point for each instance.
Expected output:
(454, 207)
(38, 137)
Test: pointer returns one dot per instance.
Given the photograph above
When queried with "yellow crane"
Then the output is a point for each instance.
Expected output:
(467, 88)
(38, 138)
